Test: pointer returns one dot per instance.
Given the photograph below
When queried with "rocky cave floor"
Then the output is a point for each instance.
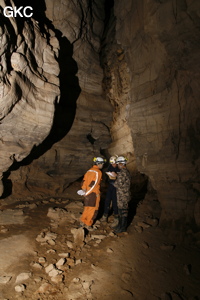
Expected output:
(45, 255)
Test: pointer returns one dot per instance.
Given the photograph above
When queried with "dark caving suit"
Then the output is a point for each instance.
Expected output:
(111, 193)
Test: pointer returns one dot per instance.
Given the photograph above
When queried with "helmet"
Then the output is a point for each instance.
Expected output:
(112, 159)
(99, 160)
(121, 160)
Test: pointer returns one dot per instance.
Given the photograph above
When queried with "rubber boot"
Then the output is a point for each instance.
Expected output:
(123, 226)
(123, 213)
(119, 220)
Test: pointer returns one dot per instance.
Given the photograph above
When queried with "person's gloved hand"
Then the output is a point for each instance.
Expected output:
(81, 192)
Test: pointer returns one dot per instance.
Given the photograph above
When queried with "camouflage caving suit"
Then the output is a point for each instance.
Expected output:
(122, 184)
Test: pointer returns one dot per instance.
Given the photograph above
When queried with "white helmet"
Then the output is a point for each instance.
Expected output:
(112, 159)
(121, 160)
(99, 160)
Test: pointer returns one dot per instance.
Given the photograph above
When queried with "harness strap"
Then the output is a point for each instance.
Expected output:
(94, 183)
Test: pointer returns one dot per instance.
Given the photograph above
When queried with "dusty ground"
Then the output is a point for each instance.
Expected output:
(142, 264)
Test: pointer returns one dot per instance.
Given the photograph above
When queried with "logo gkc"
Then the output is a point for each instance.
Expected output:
(9, 11)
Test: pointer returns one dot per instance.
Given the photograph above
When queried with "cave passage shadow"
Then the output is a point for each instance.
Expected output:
(7, 183)
(138, 192)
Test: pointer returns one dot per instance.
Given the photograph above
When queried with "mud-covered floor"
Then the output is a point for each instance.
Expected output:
(45, 255)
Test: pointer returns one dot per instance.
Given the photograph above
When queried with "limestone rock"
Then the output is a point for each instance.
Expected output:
(61, 262)
(79, 236)
(5, 279)
(64, 255)
(23, 276)
(154, 90)
(83, 115)
(28, 91)
(20, 288)
(56, 213)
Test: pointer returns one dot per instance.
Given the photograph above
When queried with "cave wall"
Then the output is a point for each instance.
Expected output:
(29, 88)
(160, 44)
(80, 129)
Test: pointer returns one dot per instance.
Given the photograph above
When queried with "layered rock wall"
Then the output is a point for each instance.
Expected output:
(29, 88)
(160, 42)
(117, 87)
(81, 125)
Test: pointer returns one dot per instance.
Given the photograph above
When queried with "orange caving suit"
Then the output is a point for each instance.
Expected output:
(91, 184)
